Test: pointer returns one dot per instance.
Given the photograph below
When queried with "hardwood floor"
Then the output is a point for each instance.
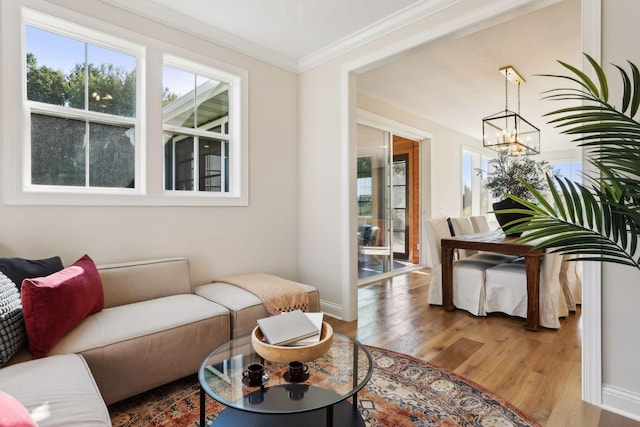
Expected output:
(539, 372)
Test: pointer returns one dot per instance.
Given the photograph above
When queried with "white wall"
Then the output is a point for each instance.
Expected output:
(620, 285)
(218, 240)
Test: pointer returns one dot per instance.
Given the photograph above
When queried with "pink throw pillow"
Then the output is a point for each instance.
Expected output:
(56, 304)
(13, 413)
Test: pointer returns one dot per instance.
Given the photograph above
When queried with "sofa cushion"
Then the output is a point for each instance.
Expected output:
(18, 269)
(13, 334)
(136, 347)
(58, 391)
(13, 413)
(56, 304)
(244, 307)
(143, 280)
(137, 320)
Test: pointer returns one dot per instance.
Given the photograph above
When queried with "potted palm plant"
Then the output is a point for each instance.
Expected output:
(505, 175)
(598, 219)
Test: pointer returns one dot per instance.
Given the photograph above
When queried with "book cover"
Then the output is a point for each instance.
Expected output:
(287, 327)
(316, 318)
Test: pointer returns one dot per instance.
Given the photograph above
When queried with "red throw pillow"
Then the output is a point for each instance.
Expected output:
(13, 413)
(56, 304)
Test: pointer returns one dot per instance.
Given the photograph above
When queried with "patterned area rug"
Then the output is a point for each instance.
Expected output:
(403, 391)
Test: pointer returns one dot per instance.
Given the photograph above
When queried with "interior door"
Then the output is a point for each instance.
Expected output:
(373, 193)
(406, 199)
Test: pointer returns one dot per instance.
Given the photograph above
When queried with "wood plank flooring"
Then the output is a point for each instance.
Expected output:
(539, 372)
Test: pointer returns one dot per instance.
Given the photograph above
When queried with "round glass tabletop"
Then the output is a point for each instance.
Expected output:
(343, 370)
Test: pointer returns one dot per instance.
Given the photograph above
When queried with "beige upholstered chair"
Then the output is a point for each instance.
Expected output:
(506, 290)
(468, 275)
(480, 224)
(462, 226)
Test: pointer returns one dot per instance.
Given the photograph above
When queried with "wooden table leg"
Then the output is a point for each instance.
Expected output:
(447, 279)
(532, 265)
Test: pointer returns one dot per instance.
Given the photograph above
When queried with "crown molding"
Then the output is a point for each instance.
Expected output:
(376, 30)
(159, 14)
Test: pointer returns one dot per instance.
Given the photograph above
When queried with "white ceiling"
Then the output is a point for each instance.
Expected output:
(453, 82)
(456, 82)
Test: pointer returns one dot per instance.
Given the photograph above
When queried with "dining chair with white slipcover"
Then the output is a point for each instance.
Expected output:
(480, 224)
(462, 226)
(468, 275)
(571, 281)
(506, 290)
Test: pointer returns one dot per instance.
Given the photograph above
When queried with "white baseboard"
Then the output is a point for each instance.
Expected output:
(621, 402)
(331, 309)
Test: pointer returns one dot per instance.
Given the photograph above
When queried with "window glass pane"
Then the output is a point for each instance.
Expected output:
(364, 189)
(48, 68)
(57, 151)
(484, 198)
(399, 173)
(112, 156)
(467, 176)
(399, 196)
(112, 81)
(213, 105)
(212, 164)
(178, 97)
(179, 162)
(195, 101)
(570, 170)
(400, 220)
(56, 68)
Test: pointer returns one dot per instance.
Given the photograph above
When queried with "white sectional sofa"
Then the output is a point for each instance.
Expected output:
(155, 328)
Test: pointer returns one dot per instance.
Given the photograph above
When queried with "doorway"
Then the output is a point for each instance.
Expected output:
(387, 194)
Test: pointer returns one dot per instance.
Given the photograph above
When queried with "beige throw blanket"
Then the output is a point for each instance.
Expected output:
(277, 294)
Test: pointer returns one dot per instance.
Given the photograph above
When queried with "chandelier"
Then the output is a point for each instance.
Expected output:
(508, 130)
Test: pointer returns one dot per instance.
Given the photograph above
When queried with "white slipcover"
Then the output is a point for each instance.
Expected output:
(506, 290)
(462, 226)
(468, 275)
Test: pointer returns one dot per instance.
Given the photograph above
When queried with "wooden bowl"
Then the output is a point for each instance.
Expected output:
(286, 354)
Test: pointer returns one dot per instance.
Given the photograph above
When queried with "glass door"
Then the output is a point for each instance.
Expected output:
(373, 194)
(400, 197)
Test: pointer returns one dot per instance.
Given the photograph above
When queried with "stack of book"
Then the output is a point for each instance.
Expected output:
(292, 328)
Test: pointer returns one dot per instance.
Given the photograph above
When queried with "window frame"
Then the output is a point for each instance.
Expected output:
(234, 122)
(96, 38)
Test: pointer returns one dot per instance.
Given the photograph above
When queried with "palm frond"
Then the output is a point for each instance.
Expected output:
(598, 220)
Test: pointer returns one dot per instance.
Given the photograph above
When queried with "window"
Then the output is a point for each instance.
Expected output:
(467, 182)
(200, 127)
(570, 169)
(82, 108)
(475, 197)
(197, 132)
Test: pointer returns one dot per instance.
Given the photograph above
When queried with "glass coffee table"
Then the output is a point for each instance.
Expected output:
(319, 400)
